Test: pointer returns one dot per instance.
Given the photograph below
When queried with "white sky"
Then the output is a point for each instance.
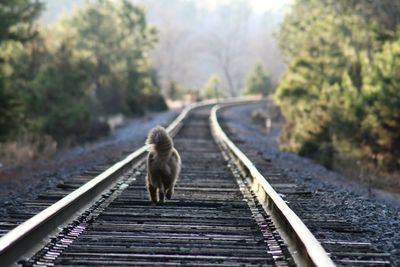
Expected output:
(259, 6)
(270, 5)
(54, 8)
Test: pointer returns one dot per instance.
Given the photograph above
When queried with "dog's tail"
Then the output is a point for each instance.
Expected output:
(159, 141)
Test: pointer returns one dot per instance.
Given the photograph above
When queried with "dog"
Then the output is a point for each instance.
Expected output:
(163, 165)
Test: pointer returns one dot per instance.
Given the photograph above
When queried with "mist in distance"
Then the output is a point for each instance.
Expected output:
(200, 38)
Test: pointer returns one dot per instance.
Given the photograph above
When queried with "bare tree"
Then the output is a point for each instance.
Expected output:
(172, 40)
(196, 42)
(226, 44)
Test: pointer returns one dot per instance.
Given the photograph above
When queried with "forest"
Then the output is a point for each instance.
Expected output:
(337, 88)
(341, 93)
(58, 81)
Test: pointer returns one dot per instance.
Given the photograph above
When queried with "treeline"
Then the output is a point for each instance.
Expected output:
(257, 82)
(341, 94)
(63, 80)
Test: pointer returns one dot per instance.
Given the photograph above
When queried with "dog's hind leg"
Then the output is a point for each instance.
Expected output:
(169, 192)
(152, 192)
(161, 196)
(161, 193)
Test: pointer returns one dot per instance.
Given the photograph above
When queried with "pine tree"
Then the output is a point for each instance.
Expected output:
(16, 20)
(258, 82)
(212, 89)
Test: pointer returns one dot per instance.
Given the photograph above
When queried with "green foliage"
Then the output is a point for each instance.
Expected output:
(116, 39)
(175, 91)
(58, 81)
(382, 121)
(16, 18)
(7, 121)
(340, 93)
(59, 96)
(258, 82)
(212, 89)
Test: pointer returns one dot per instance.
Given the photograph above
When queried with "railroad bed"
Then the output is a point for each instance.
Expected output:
(219, 215)
(208, 221)
(347, 243)
(214, 218)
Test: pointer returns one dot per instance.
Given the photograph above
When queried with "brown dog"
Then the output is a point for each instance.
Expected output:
(163, 165)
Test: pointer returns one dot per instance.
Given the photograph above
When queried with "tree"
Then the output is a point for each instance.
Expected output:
(382, 122)
(175, 91)
(59, 101)
(226, 45)
(117, 39)
(212, 89)
(16, 20)
(16, 27)
(338, 94)
(94, 63)
(258, 82)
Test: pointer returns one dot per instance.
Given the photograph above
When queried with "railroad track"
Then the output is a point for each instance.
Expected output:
(224, 213)
(346, 242)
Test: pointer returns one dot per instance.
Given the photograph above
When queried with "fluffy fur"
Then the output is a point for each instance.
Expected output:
(163, 165)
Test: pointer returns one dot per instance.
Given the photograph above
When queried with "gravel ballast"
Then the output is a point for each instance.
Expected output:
(376, 213)
(21, 183)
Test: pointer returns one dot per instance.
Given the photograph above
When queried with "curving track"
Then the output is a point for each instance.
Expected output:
(214, 219)
(347, 242)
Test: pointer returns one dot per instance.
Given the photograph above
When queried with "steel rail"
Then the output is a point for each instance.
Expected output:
(25, 237)
(313, 254)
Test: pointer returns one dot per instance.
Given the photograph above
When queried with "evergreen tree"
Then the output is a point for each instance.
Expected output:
(117, 39)
(258, 82)
(16, 22)
(382, 121)
(212, 89)
(58, 80)
(338, 95)
(59, 101)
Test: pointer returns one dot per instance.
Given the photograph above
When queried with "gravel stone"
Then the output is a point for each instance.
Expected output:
(21, 183)
(375, 212)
